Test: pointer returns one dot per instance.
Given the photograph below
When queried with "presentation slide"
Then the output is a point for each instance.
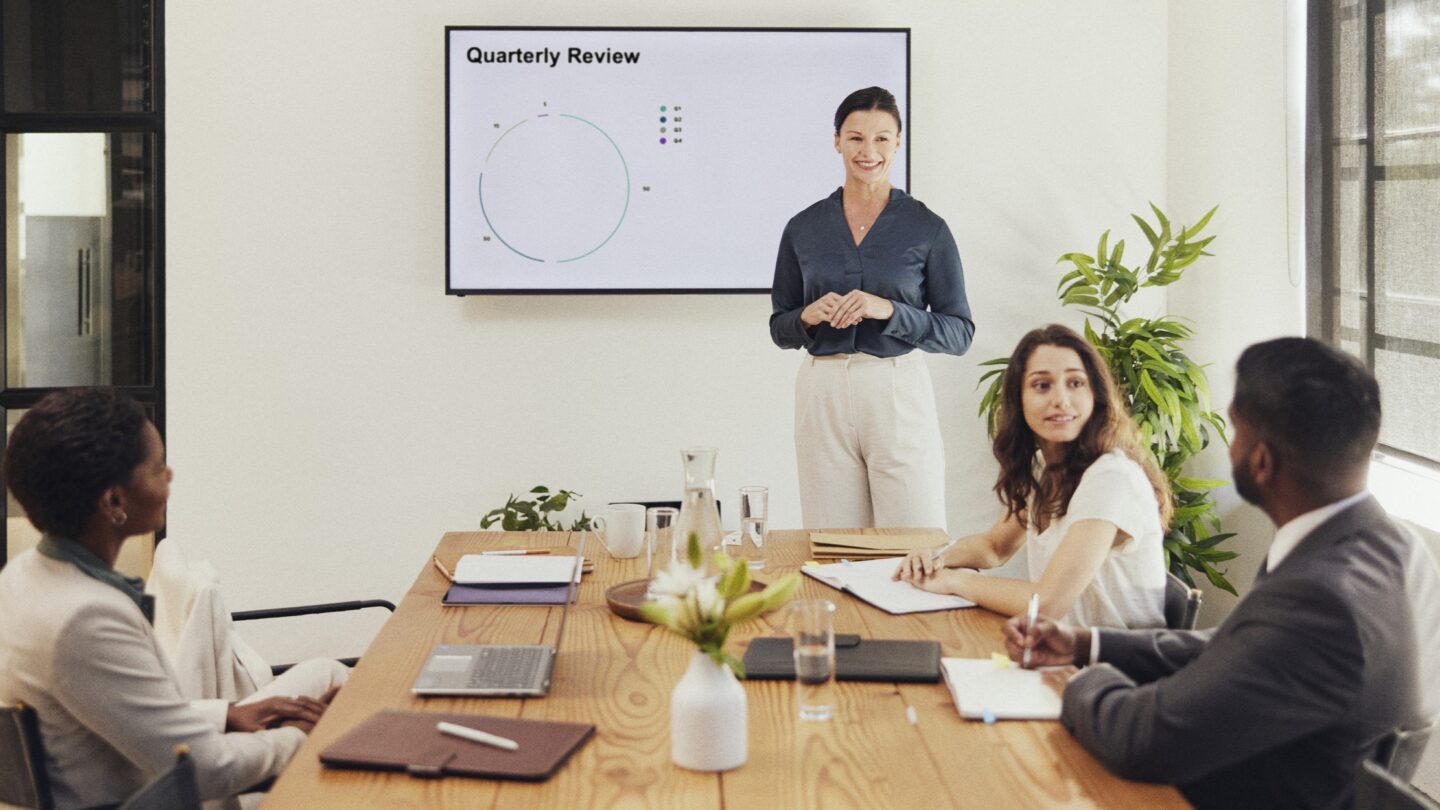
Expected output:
(645, 160)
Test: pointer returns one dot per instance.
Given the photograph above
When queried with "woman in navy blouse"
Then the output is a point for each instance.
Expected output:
(864, 277)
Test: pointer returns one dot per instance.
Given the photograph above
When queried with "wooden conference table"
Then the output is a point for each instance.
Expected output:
(618, 675)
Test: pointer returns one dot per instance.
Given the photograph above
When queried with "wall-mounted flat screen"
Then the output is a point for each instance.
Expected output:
(642, 160)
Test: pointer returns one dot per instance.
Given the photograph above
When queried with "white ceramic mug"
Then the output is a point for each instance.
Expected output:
(621, 529)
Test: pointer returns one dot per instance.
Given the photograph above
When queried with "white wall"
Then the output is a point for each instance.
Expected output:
(332, 412)
(1227, 144)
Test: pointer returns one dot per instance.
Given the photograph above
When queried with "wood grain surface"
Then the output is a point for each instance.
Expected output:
(618, 675)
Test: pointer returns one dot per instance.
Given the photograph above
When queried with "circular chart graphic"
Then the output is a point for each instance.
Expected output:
(554, 188)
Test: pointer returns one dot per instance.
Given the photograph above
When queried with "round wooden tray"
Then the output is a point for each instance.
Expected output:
(626, 598)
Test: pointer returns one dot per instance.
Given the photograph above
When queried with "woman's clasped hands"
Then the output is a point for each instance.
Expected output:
(844, 311)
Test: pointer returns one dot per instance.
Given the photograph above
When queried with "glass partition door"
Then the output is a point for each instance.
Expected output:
(81, 115)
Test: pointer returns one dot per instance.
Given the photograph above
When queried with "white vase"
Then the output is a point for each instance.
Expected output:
(708, 717)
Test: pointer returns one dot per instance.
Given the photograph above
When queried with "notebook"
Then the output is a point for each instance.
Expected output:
(870, 580)
(856, 659)
(459, 595)
(498, 670)
(828, 546)
(397, 740)
(522, 569)
(1008, 693)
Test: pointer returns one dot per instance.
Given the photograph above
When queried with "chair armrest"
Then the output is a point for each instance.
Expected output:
(309, 610)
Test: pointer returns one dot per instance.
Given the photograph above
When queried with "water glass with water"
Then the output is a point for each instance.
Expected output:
(812, 627)
(749, 543)
(660, 537)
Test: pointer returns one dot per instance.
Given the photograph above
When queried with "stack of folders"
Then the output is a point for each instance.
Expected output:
(993, 689)
(826, 546)
(492, 579)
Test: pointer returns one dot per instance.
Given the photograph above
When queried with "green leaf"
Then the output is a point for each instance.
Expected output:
(1202, 484)
(1145, 227)
(540, 489)
(1100, 252)
(1195, 229)
(1150, 389)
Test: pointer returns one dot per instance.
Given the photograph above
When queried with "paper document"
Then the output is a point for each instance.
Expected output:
(1008, 693)
(870, 580)
(492, 569)
(826, 545)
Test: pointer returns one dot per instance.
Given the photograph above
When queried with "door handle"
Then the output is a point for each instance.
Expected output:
(80, 292)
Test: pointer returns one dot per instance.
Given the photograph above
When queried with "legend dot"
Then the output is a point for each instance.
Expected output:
(662, 140)
(662, 108)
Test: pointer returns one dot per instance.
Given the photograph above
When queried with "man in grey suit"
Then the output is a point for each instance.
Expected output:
(1336, 645)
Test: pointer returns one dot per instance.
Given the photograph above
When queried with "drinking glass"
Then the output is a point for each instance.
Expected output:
(749, 542)
(812, 626)
(660, 548)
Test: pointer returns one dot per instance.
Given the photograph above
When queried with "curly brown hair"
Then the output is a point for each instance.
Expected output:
(1109, 428)
(67, 450)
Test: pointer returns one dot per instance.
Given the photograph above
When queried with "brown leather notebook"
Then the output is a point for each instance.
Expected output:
(396, 740)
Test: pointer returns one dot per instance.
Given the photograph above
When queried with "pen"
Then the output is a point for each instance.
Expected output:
(939, 551)
(1030, 616)
(443, 569)
(476, 735)
(516, 552)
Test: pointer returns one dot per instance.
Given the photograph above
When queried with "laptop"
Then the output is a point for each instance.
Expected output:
(497, 670)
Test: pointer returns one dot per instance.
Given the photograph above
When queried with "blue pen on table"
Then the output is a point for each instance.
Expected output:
(1031, 615)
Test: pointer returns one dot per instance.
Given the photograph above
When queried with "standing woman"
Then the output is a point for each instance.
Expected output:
(1081, 495)
(863, 278)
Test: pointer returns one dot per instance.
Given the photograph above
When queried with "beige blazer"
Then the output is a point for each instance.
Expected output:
(110, 710)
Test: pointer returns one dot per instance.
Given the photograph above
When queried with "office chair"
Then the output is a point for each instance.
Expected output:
(1182, 603)
(1379, 789)
(175, 789)
(1399, 751)
(23, 781)
(310, 610)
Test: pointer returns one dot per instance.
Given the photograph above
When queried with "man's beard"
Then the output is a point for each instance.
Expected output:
(1245, 484)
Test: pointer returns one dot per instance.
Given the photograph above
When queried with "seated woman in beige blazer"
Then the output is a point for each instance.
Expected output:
(76, 642)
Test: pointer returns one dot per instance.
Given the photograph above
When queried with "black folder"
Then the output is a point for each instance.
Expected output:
(855, 659)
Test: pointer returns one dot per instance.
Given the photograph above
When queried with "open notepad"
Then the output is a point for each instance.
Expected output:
(1008, 693)
(870, 580)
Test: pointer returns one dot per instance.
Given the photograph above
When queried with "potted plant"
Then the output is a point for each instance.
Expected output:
(541, 514)
(1167, 392)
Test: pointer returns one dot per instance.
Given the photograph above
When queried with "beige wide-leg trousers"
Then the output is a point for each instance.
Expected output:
(867, 443)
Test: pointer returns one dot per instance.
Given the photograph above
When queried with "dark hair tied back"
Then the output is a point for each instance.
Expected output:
(870, 98)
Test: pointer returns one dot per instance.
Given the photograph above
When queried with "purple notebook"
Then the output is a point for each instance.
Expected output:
(505, 595)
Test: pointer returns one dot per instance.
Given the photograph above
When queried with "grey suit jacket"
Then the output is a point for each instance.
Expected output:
(1278, 706)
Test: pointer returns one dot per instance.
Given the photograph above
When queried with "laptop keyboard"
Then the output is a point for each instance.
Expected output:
(503, 667)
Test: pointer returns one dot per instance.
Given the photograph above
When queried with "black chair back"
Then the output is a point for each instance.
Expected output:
(1399, 751)
(1182, 603)
(175, 789)
(1379, 789)
(23, 781)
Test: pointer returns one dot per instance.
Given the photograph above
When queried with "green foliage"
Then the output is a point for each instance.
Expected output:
(1167, 392)
(539, 515)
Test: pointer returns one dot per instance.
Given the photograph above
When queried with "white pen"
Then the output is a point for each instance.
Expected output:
(939, 551)
(1031, 615)
(476, 735)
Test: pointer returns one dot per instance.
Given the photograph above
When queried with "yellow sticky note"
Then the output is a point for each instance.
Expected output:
(1000, 660)
(811, 564)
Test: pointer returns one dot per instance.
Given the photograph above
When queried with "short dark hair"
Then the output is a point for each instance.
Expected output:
(870, 98)
(67, 450)
(1318, 407)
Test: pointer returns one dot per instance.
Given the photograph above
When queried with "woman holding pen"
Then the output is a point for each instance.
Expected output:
(1081, 496)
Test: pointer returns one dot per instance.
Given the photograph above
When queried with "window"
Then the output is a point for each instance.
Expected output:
(1373, 202)
(81, 115)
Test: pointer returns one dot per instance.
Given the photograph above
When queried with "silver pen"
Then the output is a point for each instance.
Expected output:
(939, 551)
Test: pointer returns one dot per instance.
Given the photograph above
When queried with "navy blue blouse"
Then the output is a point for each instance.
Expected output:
(908, 257)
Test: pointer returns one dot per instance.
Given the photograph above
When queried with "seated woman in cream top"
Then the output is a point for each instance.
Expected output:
(75, 639)
(1081, 495)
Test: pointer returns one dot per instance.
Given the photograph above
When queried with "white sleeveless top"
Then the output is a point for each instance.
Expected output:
(1128, 590)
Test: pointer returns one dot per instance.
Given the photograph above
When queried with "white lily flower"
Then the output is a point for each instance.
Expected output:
(676, 581)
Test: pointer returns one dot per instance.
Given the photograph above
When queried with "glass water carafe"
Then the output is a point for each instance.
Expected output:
(698, 514)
